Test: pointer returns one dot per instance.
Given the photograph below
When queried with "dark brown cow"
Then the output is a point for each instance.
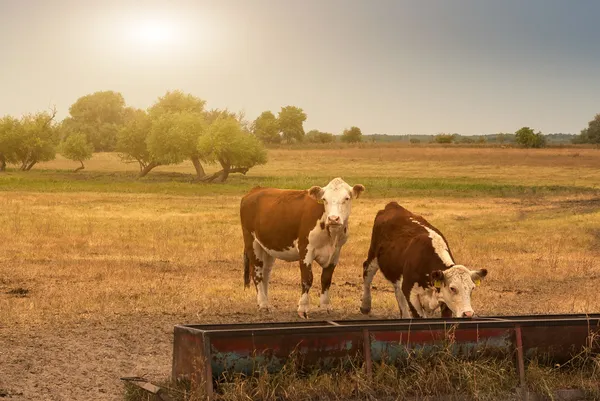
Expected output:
(415, 257)
(294, 225)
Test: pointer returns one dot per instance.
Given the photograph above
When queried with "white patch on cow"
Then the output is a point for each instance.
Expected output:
(324, 245)
(424, 300)
(368, 279)
(439, 245)
(303, 304)
(401, 299)
(324, 301)
(263, 273)
(290, 254)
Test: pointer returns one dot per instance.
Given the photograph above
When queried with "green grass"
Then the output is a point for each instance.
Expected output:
(183, 184)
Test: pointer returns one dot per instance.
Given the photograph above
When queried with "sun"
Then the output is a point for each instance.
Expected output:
(153, 32)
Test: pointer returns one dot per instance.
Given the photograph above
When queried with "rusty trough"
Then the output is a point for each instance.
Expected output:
(202, 353)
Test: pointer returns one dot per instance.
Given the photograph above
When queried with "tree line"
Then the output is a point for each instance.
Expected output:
(525, 137)
(177, 127)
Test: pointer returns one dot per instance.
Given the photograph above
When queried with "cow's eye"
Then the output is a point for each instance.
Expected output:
(453, 289)
(324, 200)
(347, 198)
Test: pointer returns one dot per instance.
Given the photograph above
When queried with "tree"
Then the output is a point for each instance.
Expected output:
(177, 123)
(98, 116)
(9, 140)
(228, 144)
(352, 135)
(529, 139)
(443, 138)
(591, 134)
(316, 136)
(132, 141)
(291, 120)
(174, 138)
(177, 102)
(76, 147)
(37, 139)
(266, 128)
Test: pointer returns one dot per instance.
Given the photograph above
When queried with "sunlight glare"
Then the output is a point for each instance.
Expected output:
(153, 32)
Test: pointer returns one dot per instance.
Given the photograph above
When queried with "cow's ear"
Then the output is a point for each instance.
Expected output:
(437, 278)
(316, 192)
(357, 190)
(478, 275)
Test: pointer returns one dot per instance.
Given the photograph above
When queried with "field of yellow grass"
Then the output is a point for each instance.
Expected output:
(96, 266)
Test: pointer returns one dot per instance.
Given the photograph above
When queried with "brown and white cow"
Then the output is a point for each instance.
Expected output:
(415, 257)
(295, 225)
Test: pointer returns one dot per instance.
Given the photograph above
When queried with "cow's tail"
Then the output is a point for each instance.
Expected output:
(246, 270)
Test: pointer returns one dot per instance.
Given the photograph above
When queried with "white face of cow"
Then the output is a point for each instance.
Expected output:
(455, 286)
(337, 198)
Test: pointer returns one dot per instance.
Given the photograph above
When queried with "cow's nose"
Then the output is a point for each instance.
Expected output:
(334, 219)
(467, 314)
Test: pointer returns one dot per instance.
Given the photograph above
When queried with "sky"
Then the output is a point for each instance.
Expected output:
(386, 66)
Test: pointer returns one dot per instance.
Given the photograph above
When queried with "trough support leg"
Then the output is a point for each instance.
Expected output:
(521, 363)
(367, 353)
(208, 382)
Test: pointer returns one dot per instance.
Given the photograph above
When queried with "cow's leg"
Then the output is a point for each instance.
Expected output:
(370, 268)
(401, 299)
(415, 303)
(326, 276)
(306, 275)
(263, 262)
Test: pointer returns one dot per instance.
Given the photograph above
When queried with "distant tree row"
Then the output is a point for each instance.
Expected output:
(591, 134)
(525, 137)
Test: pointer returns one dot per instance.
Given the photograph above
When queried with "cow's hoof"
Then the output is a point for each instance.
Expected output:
(264, 308)
(326, 308)
(365, 311)
(303, 315)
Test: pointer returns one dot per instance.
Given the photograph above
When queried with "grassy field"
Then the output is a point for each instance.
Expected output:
(97, 266)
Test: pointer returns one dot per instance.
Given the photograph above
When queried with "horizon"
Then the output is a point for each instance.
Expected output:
(391, 67)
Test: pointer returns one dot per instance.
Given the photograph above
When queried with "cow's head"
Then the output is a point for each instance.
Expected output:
(336, 197)
(455, 286)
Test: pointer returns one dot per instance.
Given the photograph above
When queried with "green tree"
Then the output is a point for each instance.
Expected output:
(228, 144)
(174, 138)
(591, 134)
(529, 139)
(352, 135)
(9, 140)
(76, 147)
(38, 138)
(316, 136)
(291, 120)
(266, 128)
(132, 140)
(98, 116)
(177, 102)
(443, 138)
(177, 123)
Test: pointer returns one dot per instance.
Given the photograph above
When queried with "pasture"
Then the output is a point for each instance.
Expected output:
(97, 266)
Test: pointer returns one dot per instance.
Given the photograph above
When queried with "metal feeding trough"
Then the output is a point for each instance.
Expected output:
(202, 353)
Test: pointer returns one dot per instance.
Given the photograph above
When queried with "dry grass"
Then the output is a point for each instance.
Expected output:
(117, 260)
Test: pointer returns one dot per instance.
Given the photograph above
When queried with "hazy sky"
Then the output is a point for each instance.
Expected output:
(396, 67)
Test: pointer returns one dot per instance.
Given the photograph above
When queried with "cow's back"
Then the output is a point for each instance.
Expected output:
(278, 216)
(397, 240)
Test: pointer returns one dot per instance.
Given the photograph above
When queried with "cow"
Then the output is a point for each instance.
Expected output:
(415, 257)
(295, 225)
